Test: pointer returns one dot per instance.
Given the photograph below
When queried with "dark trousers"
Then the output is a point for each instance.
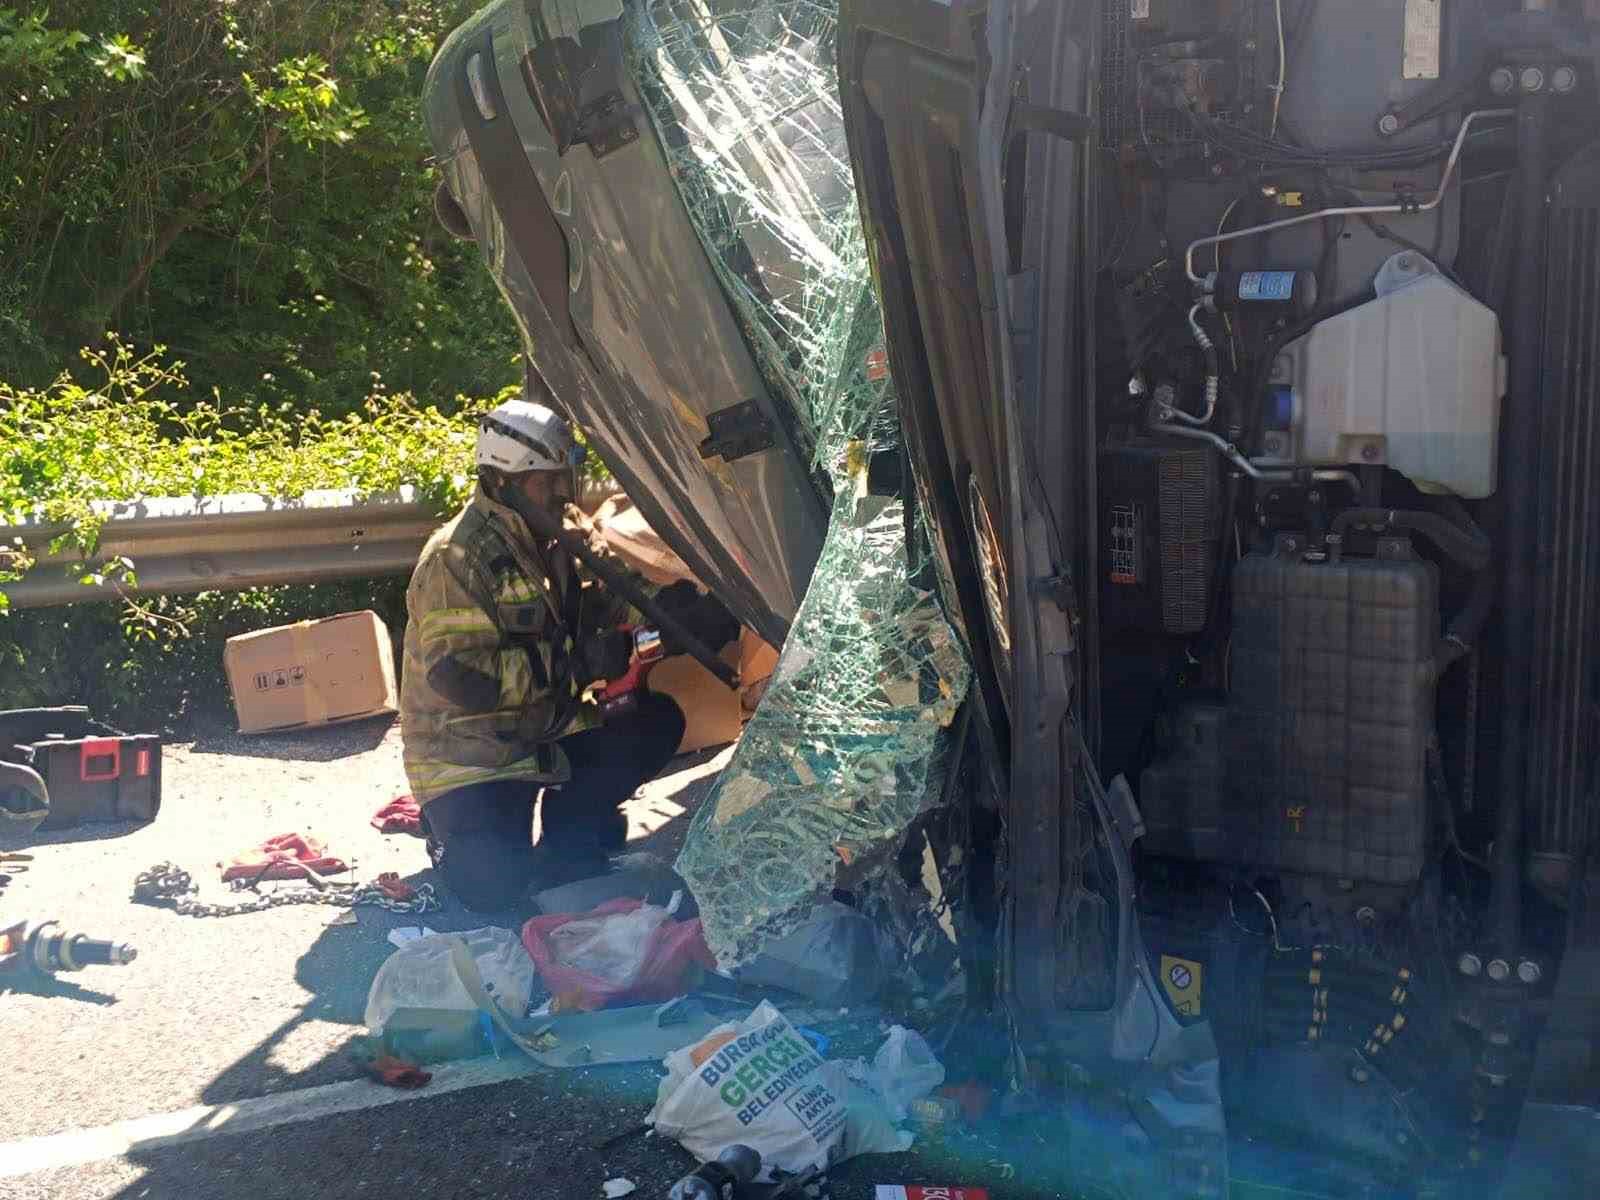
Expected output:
(485, 831)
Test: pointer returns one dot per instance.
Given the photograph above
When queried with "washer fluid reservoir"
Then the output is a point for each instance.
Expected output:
(1411, 380)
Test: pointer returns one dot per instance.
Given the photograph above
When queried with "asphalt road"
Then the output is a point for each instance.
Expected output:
(222, 1010)
(531, 1138)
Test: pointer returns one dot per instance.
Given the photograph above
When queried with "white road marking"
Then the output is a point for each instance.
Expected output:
(78, 1146)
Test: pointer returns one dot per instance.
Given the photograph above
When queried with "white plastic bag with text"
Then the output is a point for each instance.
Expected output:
(758, 1082)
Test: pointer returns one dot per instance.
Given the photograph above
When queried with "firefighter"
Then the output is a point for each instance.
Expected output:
(507, 634)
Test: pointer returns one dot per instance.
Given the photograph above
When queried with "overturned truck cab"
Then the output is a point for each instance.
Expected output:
(1164, 434)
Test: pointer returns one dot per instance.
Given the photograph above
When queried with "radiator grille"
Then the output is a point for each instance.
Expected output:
(1562, 726)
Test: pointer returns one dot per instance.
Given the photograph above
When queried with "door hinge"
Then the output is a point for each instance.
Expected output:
(738, 431)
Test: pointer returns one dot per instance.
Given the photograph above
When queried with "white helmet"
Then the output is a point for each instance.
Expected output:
(521, 436)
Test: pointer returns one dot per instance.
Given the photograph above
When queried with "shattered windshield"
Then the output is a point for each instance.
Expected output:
(850, 742)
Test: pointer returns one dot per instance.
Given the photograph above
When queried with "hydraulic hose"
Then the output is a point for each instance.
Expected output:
(1462, 633)
(1213, 372)
(1354, 210)
(1469, 547)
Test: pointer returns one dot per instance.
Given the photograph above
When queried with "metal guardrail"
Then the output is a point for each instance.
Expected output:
(226, 543)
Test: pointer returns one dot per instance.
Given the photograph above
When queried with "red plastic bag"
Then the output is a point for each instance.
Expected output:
(663, 962)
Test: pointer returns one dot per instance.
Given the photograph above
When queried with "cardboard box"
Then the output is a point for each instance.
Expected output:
(712, 713)
(312, 673)
(757, 661)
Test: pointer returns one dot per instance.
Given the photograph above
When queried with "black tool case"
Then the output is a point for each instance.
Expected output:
(92, 771)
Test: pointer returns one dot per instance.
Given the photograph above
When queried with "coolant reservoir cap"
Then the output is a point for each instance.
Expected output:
(1401, 269)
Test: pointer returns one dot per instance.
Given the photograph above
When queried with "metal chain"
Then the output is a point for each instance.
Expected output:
(169, 886)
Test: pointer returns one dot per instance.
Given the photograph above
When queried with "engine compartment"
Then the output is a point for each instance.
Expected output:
(1314, 301)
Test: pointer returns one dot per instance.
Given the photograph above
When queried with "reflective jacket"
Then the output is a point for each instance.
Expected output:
(489, 681)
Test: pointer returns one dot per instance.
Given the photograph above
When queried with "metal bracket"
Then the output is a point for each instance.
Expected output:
(738, 431)
(1396, 549)
(1124, 811)
(1059, 589)
(606, 124)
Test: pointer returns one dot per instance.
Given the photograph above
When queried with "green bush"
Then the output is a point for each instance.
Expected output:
(125, 435)
(154, 661)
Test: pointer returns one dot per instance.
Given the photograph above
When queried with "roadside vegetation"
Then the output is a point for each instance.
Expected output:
(222, 274)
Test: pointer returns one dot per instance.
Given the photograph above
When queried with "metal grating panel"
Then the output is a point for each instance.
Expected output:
(1120, 119)
(1190, 495)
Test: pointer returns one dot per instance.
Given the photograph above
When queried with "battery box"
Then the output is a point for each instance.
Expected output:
(94, 773)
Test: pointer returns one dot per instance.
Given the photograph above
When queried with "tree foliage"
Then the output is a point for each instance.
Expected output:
(229, 202)
(247, 181)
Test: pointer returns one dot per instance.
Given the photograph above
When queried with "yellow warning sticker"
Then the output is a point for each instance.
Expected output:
(1183, 979)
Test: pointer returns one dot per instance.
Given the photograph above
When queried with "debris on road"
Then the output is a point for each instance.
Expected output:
(903, 1071)
(831, 958)
(387, 1069)
(934, 1114)
(397, 895)
(622, 951)
(401, 815)
(974, 1098)
(615, 1189)
(166, 885)
(903, 1191)
(283, 856)
(643, 1129)
(644, 1033)
(758, 1082)
(321, 672)
(733, 1167)
(407, 933)
(425, 975)
(437, 1035)
(631, 876)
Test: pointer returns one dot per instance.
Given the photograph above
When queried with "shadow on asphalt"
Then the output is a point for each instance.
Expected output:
(93, 831)
(54, 988)
(536, 1136)
(337, 968)
(325, 743)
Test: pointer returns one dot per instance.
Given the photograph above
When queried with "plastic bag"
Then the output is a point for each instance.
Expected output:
(421, 975)
(832, 958)
(610, 947)
(622, 951)
(903, 1071)
(759, 1083)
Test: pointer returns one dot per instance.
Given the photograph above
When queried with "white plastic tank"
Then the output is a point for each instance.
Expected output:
(1412, 380)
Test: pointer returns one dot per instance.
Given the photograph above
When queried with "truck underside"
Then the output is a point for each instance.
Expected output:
(1245, 352)
(1236, 406)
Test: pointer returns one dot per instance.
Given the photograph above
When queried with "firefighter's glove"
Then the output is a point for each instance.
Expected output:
(602, 656)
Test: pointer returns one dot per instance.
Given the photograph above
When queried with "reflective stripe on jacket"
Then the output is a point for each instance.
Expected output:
(488, 684)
